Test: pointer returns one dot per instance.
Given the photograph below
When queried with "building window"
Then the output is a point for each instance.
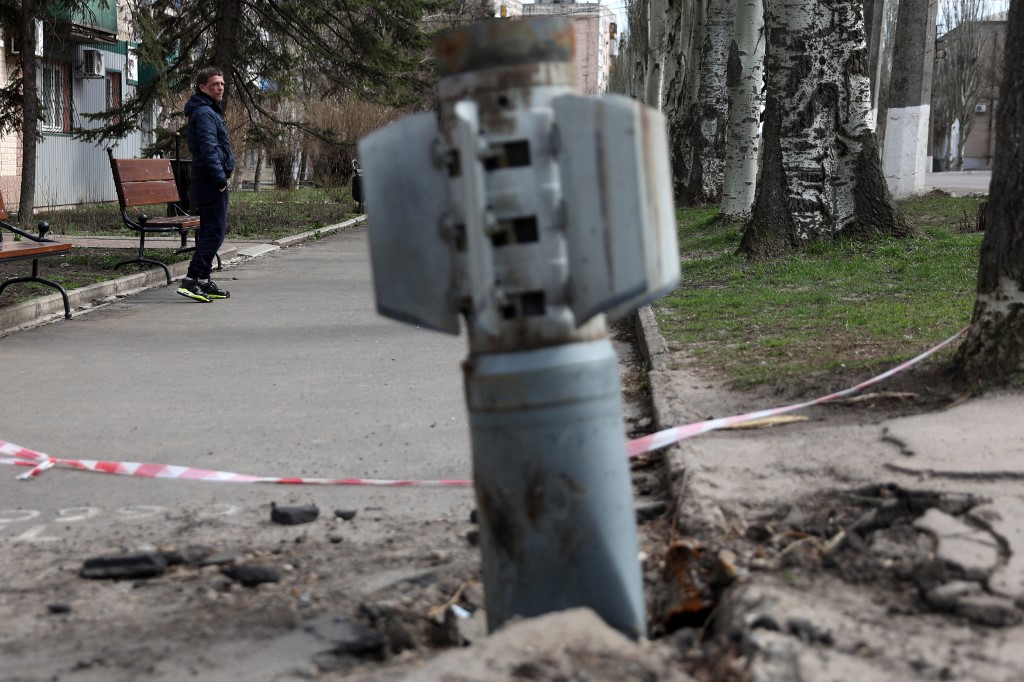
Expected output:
(56, 96)
(113, 79)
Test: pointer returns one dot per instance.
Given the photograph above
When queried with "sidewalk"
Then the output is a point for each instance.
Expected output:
(50, 308)
(927, 585)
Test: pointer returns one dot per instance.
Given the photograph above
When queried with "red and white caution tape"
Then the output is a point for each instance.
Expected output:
(40, 462)
(656, 441)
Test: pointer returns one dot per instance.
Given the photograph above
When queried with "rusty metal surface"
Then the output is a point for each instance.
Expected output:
(491, 44)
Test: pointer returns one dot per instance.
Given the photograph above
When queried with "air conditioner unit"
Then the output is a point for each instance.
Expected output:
(92, 64)
(980, 108)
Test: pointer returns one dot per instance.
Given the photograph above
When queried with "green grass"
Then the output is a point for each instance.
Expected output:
(833, 312)
(78, 268)
(265, 215)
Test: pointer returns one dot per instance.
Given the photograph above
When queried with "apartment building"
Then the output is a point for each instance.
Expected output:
(595, 29)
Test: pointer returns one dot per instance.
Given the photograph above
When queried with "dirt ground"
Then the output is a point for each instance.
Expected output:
(385, 595)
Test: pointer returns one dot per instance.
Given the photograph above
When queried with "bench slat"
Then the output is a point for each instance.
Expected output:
(23, 249)
(183, 221)
(141, 170)
(152, 192)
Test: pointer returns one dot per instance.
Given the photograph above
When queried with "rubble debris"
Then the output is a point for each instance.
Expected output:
(649, 509)
(218, 558)
(473, 538)
(293, 515)
(124, 566)
(58, 607)
(971, 550)
(251, 576)
(346, 638)
(345, 514)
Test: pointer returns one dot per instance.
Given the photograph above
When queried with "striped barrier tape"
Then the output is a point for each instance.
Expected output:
(666, 437)
(40, 462)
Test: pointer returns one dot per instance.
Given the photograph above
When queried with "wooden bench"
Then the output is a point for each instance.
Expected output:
(33, 249)
(143, 182)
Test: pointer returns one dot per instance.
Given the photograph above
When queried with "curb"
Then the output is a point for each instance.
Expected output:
(51, 308)
(693, 514)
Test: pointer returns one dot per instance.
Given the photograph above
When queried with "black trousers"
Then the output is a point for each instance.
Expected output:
(213, 225)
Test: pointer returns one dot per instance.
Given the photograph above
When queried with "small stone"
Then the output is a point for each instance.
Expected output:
(293, 515)
(474, 517)
(124, 566)
(806, 630)
(945, 597)
(347, 636)
(649, 509)
(224, 556)
(335, 538)
(251, 576)
(345, 514)
(58, 607)
(989, 610)
(473, 538)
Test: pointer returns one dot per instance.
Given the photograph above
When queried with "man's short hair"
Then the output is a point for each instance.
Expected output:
(208, 73)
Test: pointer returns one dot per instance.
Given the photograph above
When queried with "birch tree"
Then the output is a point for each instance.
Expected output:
(744, 78)
(702, 150)
(657, 11)
(820, 171)
(683, 38)
(994, 347)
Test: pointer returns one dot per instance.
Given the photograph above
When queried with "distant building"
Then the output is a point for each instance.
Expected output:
(85, 64)
(595, 30)
(979, 147)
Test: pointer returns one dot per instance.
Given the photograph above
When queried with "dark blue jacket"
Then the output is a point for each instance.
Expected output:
(212, 158)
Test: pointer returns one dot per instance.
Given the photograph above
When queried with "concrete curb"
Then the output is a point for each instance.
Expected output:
(693, 513)
(51, 308)
(312, 234)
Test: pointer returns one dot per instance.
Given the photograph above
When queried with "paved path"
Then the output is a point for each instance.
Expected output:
(295, 375)
(963, 182)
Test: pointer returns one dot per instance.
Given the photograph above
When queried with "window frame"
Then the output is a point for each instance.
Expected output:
(49, 69)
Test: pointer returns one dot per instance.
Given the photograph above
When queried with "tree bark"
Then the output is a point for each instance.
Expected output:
(994, 347)
(225, 45)
(707, 165)
(910, 93)
(654, 80)
(821, 176)
(744, 78)
(684, 39)
(30, 114)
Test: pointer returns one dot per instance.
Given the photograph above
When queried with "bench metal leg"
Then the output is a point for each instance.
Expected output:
(41, 280)
(142, 258)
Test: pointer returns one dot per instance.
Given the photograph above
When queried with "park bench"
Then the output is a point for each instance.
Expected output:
(31, 248)
(143, 182)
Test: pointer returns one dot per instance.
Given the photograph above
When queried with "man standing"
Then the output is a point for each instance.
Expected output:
(212, 165)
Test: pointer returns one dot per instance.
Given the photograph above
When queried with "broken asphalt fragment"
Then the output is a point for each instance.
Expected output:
(251, 576)
(124, 566)
(293, 516)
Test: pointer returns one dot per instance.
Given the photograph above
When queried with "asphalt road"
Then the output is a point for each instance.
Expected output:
(295, 375)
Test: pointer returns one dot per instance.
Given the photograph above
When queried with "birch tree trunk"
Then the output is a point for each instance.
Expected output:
(994, 347)
(683, 37)
(820, 174)
(744, 77)
(656, 16)
(703, 160)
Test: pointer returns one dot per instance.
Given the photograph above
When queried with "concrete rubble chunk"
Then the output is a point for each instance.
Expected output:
(293, 515)
(124, 566)
(988, 609)
(570, 645)
(1002, 516)
(251, 576)
(972, 550)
